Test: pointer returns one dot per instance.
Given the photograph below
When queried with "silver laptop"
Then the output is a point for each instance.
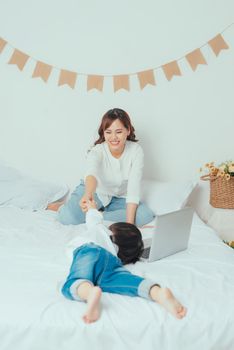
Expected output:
(170, 236)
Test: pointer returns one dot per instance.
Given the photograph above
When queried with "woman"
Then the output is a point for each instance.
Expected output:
(112, 177)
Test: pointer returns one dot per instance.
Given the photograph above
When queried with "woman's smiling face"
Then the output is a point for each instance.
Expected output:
(115, 136)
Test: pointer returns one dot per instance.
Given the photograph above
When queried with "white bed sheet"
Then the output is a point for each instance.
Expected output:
(35, 316)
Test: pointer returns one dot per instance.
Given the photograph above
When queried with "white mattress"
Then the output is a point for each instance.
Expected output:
(35, 316)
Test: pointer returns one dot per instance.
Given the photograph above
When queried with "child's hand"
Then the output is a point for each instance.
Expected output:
(84, 202)
(91, 204)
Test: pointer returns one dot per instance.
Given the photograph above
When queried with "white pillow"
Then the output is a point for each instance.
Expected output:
(8, 173)
(22, 191)
(199, 200)
(165, 197)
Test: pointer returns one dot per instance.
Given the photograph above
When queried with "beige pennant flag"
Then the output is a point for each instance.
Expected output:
(67, 77)
(121, 82)
(95, 82)
(195, 58)
(217, 44)
(42, 70)
(2, 44)
(170, 69)
(145, 78)
(19, 58)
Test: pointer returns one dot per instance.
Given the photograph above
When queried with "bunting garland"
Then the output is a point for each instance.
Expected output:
(2, 44)
(19, 58)
(195, 58)
(171, 69)
(95, 82)
(147, 77)
(67, 77)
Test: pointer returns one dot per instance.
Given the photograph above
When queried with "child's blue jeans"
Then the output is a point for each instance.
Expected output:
(94, 264)
(71, 213)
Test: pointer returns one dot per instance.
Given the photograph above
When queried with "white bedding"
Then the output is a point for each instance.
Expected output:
(35, 316)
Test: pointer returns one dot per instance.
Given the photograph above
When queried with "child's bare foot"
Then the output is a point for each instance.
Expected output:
(93, 305)
(164, 297)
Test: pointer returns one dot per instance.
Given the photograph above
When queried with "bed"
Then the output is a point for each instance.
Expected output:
(35, 316)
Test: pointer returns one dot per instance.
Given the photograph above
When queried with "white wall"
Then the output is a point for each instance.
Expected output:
(46, 130)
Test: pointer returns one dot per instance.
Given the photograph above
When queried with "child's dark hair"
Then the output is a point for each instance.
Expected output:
(129, 241)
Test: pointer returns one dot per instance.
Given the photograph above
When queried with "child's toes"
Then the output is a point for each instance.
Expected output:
(182, 312)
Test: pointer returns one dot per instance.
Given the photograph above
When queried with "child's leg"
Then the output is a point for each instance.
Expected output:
(164, 297)
(81, 270)
(92, 295)
(121, 281)
(79, 284)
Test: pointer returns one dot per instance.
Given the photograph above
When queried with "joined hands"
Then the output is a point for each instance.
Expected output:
(87, 202)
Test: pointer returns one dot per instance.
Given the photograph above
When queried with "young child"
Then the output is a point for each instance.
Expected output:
(98, 267)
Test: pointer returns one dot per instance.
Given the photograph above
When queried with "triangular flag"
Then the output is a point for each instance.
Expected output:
(217, 44)
(121, 82)
(2, 44)
(195, 58)
(146, 77)
(19, 58)
(170, 69)
(42, 70)
(95, 82)
(67, 77)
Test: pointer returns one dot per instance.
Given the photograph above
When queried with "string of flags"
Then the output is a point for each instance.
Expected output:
(122, 81)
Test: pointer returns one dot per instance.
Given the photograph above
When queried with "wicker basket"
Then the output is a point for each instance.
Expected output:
(221, 191)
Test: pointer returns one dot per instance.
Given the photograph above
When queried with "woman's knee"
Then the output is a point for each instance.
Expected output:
(70, 212)
(144, 215)
(115, 215)
(67, 217)
(79, 190)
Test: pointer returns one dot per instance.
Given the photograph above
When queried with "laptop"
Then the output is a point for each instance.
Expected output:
(170, 236)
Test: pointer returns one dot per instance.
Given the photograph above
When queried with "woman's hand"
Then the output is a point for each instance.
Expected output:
(84, 202)
(90, 188)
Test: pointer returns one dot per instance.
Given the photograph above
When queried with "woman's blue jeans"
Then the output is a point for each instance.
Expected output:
(71, 213)
(94, 264)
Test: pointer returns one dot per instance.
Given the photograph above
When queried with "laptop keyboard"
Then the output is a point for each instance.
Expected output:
(146, 253)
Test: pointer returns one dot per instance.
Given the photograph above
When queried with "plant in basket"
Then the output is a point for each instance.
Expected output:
(231, 243)
(221, 179)
(225, 169)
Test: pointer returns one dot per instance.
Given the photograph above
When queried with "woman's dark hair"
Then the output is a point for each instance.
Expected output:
(109, 117)
(129, 241)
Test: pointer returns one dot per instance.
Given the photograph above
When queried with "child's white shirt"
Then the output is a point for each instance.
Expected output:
(96, 232)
